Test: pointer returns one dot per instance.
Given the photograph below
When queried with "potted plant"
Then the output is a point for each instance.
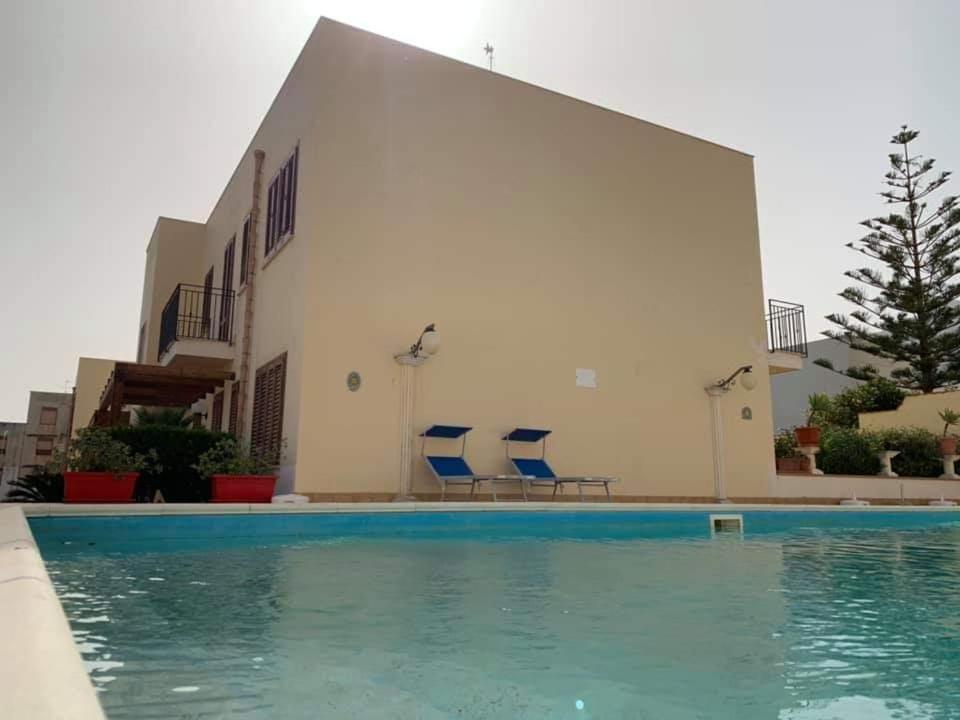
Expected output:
(787, 453)
(99, 469)
(817, 410)
(948, 443)
(237, 474)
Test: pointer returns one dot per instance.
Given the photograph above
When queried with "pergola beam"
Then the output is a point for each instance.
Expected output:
(155, 385)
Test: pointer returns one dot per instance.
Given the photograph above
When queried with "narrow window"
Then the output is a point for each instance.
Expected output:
(226, 297)
(216, 415)
(282, 203)
(234, 407)
(267, 425)
(44, 446)
(141, 342)
(48, 417)
(207, 320)
(244, 250)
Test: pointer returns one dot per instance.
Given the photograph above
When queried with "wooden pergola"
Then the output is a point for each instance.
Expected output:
(154, 386)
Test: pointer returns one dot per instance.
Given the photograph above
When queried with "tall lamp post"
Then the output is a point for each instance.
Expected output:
(716, 391)
(425, 347)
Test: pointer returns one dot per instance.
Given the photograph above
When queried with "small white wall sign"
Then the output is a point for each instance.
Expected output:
(586, 377)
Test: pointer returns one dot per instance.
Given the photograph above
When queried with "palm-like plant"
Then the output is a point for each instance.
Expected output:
(42, 485)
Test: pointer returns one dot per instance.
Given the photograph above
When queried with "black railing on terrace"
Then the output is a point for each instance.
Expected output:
(786, 328)
(197, 312)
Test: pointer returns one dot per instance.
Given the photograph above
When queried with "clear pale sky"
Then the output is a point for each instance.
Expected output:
(113, 112)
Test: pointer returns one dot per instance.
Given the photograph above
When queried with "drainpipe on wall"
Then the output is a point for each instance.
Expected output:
(240, 388)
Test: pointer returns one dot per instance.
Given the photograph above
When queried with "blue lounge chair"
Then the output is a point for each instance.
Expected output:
(454, 470)
(538, 468)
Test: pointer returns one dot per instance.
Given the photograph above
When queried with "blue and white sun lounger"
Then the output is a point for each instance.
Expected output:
(454, 470)
(538, 468)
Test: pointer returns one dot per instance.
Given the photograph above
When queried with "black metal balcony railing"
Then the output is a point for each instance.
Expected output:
(786, 328)
(197, 312)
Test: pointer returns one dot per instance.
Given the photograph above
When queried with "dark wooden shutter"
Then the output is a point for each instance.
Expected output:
(244, 250)
(271, 216)
(234, 407)
(268, 391)
(226, 299)
(295, 161)
(216, 416)
(207, 321)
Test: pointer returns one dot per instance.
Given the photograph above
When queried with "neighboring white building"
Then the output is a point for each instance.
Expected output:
(791, 390)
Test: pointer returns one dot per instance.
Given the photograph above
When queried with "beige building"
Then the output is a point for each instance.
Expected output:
(587, 272)
(92, 377)
(27, 446)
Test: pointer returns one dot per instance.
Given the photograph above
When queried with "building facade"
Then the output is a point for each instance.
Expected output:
(25, 447)
(549, 240)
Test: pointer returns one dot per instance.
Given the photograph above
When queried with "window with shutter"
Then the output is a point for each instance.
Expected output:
(244, 250)
(234, 407)
(282, 204)
(216, 415)
(267, 425)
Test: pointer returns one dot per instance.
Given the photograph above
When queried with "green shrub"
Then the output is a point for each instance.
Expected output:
(98, 450)
(847, 451)
(873, 396)
(178, 451)
(785, 445)
(919, 453)
(230, 457)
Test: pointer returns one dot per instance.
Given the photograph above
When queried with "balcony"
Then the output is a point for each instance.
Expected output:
(786, 336)
(196, 328)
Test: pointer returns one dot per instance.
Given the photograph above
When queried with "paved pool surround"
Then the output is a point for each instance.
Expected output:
(43, 671)
(43, 675)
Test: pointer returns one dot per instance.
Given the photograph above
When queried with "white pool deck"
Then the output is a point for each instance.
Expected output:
(44, 676)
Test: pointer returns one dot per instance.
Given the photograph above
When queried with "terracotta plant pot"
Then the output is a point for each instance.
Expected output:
(242, 488)
(99, 487)
(948, 446)
(793, 465)
(807, 436)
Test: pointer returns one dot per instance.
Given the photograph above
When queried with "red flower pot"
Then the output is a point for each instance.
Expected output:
(948, 446)
(807, 436)
(99, 487)
(242, 488)
(793, 465)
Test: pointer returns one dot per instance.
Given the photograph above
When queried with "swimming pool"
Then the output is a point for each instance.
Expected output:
(808, 615)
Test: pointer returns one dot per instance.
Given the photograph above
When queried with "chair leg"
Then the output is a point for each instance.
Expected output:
(443, 491)
(606, 486)
(523, 489)
(493, 489)
(554, 490)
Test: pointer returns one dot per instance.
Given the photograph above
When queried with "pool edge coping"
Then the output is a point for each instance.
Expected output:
(44, 675)
(373, 508)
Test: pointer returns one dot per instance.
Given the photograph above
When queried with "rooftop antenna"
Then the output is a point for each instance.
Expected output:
(488, 49)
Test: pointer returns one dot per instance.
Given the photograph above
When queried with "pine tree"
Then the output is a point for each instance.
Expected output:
(909, 312)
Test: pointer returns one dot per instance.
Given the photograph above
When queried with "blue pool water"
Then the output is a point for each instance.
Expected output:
(807, 616)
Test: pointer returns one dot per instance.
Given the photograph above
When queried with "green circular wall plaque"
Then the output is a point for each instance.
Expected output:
(353, 381)
(746, 413)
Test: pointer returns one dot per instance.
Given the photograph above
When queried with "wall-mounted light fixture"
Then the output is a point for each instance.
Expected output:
(747, 380)
(428, 343)
(745, 376)
(426, 346)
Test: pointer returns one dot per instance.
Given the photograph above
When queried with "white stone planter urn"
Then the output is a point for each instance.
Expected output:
(810, 453)
(886, 469)
(949, 473)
